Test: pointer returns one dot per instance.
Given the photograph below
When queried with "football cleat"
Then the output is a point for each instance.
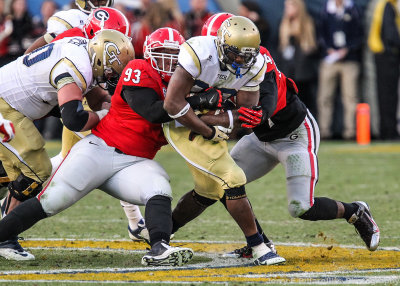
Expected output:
(365, 225)
(140, 233)
(269, 258)
(12, 250)
(162, 254)
(247, 252)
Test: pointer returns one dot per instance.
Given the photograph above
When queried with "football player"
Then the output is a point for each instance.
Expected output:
(117, 156)
(102, 18)
(284, 129)
(60, 73)
(231, 63)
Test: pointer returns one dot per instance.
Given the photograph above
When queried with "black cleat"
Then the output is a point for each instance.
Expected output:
(365, 226)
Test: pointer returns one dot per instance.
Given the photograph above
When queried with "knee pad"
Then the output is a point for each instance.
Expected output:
(235, 193)
(296, 209)
(202, 201)
(24, 188)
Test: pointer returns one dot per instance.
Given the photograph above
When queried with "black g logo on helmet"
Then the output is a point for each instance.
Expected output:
(101, 15)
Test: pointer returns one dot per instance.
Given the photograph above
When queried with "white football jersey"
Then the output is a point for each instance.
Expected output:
(30, 83)
(199, 57)
(65, 20)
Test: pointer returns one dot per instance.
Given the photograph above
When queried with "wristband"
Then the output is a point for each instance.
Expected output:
(181, 113)
(101, 113)
(230, 119)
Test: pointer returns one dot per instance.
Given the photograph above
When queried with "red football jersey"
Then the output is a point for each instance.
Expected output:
(281, 80)
(123, 128)
(74, 32)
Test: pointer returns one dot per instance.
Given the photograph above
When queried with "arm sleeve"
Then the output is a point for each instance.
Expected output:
(145, 102)
(269, 94)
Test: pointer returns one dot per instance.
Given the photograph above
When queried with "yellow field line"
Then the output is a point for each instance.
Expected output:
(300, 259)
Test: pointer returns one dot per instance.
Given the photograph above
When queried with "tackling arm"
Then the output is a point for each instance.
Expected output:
(176, 105)
(39, 42)
(97, 97)
(72, 113)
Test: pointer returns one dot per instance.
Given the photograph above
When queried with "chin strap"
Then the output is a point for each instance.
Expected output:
(237, 70)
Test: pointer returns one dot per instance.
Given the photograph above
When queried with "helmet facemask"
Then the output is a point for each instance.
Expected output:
(164, 60)
(161, 50)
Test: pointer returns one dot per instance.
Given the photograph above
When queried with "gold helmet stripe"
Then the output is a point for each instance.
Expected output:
(65, 81)
(62, 21)
(193, 54)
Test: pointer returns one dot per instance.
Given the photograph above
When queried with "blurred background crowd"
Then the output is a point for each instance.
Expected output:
(339, 52)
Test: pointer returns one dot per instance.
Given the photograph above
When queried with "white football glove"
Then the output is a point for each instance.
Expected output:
(218, 134)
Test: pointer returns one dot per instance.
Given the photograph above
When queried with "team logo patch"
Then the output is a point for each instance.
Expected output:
(112, 51)
(102, 15)
(293, 136)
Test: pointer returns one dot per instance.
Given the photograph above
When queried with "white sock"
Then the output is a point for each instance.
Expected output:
(133, 214)
(260, 250)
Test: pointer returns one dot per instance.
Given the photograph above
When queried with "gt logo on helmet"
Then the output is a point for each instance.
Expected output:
(112, 51)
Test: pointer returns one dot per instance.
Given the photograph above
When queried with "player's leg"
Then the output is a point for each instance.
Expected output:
(301, 184)
(145, 182)
(137, 229)
(255, 159)
(24, 159)
(211, 165)
(82, 171)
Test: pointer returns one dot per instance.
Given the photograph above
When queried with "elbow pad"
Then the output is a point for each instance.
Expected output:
(73, 115)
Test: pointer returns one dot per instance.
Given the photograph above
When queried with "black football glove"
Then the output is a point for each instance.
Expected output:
(211, 99)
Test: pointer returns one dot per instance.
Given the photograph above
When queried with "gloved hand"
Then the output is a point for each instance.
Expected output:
(7, 128)
(218, 134)
(250, 118)
(210, 99)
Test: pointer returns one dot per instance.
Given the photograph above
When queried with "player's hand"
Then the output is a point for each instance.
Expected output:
(7, 128)
(250, 117)
(211, 99)
(217, 134)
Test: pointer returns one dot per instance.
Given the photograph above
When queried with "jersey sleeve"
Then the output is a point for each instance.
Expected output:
(73, 67)
(137, 73)
(259, 70)
(189, 59)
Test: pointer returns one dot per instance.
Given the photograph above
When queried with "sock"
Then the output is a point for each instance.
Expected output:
(349, 210)
(132, 213)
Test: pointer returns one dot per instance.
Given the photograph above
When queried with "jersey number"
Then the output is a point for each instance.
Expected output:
(38, 55)
(135, 79)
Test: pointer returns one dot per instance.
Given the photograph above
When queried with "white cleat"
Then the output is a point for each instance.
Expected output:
(12, 250)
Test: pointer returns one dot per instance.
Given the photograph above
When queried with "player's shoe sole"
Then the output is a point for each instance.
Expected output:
(172, 256)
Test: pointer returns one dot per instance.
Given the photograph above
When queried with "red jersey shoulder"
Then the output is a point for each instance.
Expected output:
(268, 58)
(140, 73)
(74, 32)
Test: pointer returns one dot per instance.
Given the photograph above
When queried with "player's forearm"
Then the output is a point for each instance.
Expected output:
(40, 42)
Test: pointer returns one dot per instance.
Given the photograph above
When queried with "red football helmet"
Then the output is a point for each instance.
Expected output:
(106, 18)
(213, 23)
(161, 50)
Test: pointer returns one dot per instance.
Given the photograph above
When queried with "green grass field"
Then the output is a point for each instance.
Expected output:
(348, 172)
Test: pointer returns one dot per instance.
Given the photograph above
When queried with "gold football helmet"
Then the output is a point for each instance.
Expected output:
(109, 52)
(87, 5)
(238, 44)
